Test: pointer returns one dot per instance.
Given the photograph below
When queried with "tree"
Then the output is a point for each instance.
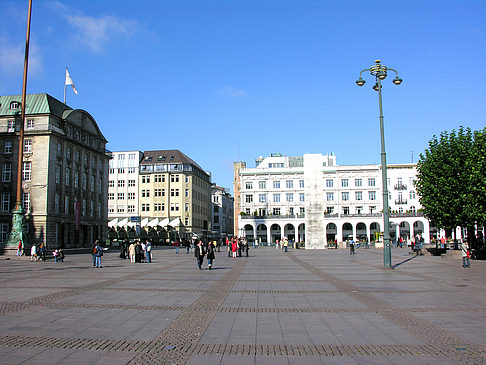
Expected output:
(451, 178)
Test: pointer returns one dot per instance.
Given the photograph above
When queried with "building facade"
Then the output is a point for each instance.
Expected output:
(174, 194)
(222, 212)
(123, 188)
(64, 172)
(311, 199)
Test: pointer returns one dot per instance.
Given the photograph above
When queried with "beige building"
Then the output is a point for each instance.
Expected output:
(174, 194)
(64, 175)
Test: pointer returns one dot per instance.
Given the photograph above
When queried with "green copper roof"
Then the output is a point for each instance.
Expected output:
(34, 104)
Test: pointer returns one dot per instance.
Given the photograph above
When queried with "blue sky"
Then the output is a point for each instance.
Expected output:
(231, 80)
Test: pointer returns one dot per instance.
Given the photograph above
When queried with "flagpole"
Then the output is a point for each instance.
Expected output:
(65, 86)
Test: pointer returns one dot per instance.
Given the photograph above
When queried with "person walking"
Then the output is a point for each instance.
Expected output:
(246, 248)
(210, 255)
(286, 245)
(148, 251)
(20, 248)
(131, 252)
(199, 254)
(351, 247)
(234, 247)
(138, 252)
(466, 254)
(43, 250)
(33, 253)
(187, 244)
(93, 252)
(177, 244)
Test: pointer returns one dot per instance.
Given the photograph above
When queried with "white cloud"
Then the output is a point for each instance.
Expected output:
(95, 32)
(13, 55)
(231, 92)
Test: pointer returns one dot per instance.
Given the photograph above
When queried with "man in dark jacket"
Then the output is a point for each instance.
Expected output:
(210, 255)
(199, 252)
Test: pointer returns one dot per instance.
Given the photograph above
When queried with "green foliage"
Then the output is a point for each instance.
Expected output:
(451, 178)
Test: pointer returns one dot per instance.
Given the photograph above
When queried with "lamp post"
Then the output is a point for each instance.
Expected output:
(379, 71)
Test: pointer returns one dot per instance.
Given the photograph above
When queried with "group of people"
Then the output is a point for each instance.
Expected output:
(236, 246)
(36, 253)
(140, 251)
(283, 244)
(204, 249)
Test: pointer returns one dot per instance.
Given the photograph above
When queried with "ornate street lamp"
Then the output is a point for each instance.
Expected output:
(379, 71)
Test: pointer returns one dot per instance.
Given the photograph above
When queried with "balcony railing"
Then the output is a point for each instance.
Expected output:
(400, 201)
(274, 216)
(400, 187)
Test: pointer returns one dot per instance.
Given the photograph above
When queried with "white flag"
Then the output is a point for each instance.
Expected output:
(69, 81)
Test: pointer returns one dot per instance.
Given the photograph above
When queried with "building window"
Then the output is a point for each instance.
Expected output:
(7, 148)
(27, 145)
(145, 207)
(276, 184)
(186, 207)
(290, 197)
(145, 179)
(26, 171)
(120, 196)
(86, 159)
(358, 182)
(85, 181)
(29, 124)
(276, 211)
(187, 193)
(289, 184)
(76, 179)
(330, 197)
(301, 197)
(111, 209)
(301, 184)
(59, 149)
(11, 126)
(7, 172)
(345, 196)
(120, 209)
(187, 179)
(372, 195)
(174, 192)
(111, 183)
(345, 210)
(131, 170)
(69, 152)
(302, 210)
(276, 198)
(58, 174)
(131, 183)
(66, 205)
(67, 177)
(5, 203)
(262, 198)
(56, 203)
(262, 184)
(329, 183)
(111, 196)
(249, 198)
(358, 195)
(131, 209)
(4, 228)
(121, 171)
(174, 207)
(329, 210)
(248, 185)
(412, 194)
(92, 183)
(26, 201)
(344, 183)
(131, 196)
(121, 183)
(174, 178)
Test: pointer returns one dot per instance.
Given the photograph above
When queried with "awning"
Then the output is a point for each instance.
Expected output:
(144, 222)
(175, 223)
(164, 222)
(131, 224)
(153, 222)
(113, 223)
(122, 223)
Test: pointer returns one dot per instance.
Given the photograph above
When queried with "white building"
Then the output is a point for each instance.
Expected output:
(311, 199)
(222, 211)
(123, 181)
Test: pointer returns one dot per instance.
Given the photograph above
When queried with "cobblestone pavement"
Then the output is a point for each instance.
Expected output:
(300, 307)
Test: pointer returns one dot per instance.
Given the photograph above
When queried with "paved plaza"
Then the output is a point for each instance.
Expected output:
(300, 307)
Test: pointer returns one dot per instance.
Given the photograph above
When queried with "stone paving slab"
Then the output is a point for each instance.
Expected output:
(300, 307)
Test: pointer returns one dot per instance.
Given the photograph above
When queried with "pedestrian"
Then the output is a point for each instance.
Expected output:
(98, 252)
(210, 255)
(60, 255)
(131, 252)
(351, 247)
(138, 252)
(33, 253)
(148, 251)
(246, 248)
(234, 247)
(20, 248)
(466, 254)
(55, 254)
(199, 254)
(286, 245)
(187, 244)
(144, 247)
(93, 252)
(277, 245)
(43, 250)
(177, 244)
(400, 242)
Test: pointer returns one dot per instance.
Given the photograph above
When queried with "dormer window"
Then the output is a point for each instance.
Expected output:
(14, 105)
(172, 158)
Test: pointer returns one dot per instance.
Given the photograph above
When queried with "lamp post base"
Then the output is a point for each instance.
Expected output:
(16, 234)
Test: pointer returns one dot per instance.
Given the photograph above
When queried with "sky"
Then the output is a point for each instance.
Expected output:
(226, 81)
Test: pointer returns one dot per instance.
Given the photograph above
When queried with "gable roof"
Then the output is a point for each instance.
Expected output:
(34, 104)
(167, 156)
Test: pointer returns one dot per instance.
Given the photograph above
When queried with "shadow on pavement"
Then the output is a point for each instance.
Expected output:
(401, 263)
